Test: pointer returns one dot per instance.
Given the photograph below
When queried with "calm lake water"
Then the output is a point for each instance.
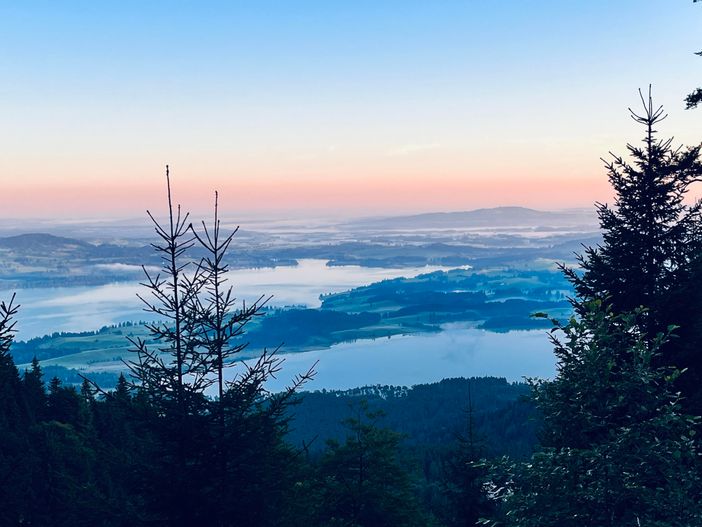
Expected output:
(45, 310)
(458, 351)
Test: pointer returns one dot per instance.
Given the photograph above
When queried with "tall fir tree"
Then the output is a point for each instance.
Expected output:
(651, 235)
(465, 473)
(651, 252)
(618, 448)
(172, 373)
(364, 482)
(34, 390)
(215, 462)
(12, 403)
(15, 447)
(222, 323)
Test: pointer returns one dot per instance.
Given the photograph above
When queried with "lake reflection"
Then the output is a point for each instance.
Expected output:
(408, 360)
(45, 310)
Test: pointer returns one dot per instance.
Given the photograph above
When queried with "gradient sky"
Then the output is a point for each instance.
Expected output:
(345, 106)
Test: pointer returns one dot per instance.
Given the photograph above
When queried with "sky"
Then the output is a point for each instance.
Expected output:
(341, 107)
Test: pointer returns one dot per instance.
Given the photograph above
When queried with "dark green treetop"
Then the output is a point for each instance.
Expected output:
(618, 448)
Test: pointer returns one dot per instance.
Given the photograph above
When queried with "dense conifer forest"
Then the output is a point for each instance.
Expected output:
(612, 440)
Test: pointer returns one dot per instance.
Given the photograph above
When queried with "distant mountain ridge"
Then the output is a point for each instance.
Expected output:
(43, 245)
(486, 217)
(32, 241)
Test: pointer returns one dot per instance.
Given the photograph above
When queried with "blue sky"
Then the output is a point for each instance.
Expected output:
(354, 105)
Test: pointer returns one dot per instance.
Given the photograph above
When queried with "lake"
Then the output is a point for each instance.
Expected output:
(46, 310)
(458, 351)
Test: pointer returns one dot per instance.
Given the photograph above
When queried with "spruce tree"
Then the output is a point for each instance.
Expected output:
(65, 405)
(651, 252)
(221, 461)
(364, 483)
(34, 390)
(650, 235)
(172, 373)
(618, 448)
(12, 403)
(465, 473)
(694, 98)
(15, 447)
(222, 323)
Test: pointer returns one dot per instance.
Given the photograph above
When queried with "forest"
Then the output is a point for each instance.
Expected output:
(611, 440)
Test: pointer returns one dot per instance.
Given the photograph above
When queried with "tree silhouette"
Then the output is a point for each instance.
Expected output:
(364, 482)
(465, 473)
(218, 461)
(651, 253)
(173, 373)
(618, 448)
(222, 324)
(651, 236)
(694, 98)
